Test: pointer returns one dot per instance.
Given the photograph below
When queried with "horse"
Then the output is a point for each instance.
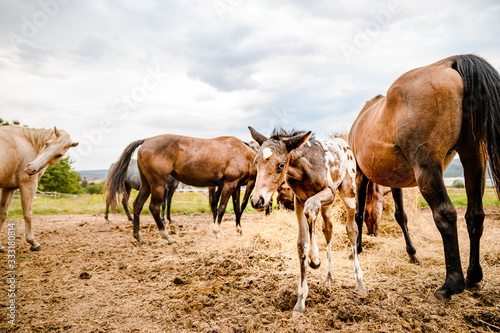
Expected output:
(25, 154)
(374, 206)
(222, 161)
(410, 136)
(133, 181)
(315, 170)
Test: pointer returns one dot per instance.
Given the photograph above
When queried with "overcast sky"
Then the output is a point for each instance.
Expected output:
(111, 72)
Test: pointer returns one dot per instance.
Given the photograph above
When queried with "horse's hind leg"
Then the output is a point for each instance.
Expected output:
(400, 215)
(474, 174)
(361, 187)
(227, 191)
(126, 196)
(431, 184)
(157, 193)
(213, 197)
(171, 186)
(139, 201)
(237, 209)
(28, 191)
(5, 200)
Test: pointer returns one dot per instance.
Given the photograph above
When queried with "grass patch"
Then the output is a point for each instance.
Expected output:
(182, 203)
(459, 198)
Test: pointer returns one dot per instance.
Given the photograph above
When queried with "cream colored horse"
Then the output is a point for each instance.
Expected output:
(25, 153)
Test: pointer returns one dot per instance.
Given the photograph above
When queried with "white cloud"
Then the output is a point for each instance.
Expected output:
(255, 63)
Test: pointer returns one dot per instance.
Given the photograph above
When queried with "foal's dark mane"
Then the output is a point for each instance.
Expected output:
(280, 133)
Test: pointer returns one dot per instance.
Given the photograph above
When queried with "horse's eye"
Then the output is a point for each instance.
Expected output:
(58, 155)
(46, 144)
(281, 166)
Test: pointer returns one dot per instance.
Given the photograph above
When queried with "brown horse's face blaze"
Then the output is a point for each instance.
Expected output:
(51, 153)
(271, 165)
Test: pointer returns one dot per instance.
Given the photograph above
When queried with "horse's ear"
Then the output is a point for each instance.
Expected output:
(257, 136)
(56, 132)
(74, 144)
(296, 141)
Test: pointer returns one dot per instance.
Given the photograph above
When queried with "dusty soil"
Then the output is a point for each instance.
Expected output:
(93, 277)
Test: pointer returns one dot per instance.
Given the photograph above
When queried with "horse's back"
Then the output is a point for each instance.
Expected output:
(195, 161)
(420, 118)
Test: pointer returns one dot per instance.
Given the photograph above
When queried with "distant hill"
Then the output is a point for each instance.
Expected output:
(93, 174)
(454, 170)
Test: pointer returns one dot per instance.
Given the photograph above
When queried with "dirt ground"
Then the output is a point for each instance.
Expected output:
(93, 277)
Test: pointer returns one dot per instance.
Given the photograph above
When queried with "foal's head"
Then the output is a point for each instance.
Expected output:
(52, 152)
(272, 161)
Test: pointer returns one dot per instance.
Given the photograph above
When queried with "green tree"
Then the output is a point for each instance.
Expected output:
(457, 183)
(60, 178)
(94, 188)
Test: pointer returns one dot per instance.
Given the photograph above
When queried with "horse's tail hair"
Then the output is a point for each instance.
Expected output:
(115, 182)
(481, 101)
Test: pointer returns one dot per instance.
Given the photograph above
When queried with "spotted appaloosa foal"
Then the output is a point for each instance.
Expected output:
(314, 170)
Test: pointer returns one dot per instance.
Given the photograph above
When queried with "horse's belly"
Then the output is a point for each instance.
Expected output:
(383, 165)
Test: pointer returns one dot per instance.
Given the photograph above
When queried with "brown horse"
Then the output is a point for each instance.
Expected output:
(25, 153)
(315, 170)
(223, 161)
(409, 137)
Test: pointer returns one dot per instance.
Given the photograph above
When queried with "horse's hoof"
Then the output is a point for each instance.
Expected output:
(171, 241)
(414, 260)
(217, 235)
(296, 314)
(36, 248)
(328, 281)
(360, 289)
(470, 286)
(442, 295)
(313, 265)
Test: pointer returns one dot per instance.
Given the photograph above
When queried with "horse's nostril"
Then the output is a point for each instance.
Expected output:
(260, 203)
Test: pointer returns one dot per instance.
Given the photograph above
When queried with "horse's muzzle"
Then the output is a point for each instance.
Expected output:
(30, 170)
(258, 204)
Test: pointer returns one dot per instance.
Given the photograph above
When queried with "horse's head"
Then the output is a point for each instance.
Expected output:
(272, 160)
(51, 153)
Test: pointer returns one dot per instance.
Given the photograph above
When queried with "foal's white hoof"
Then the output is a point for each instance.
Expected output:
(296, 314)
(360, 289)
(36, 248)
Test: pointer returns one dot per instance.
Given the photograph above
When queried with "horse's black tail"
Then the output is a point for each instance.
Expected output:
(481, 101)
(115, 182)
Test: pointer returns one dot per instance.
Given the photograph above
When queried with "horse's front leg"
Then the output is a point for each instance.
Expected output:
(312, 208)
(5, 199)
(303, 250)
(28, 191)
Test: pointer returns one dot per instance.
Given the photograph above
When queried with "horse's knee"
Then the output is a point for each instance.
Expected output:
(445, 217)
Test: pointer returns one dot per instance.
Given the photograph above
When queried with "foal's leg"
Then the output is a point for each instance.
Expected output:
(327, 231)
(126, 196)
(474, 174)
(157, 193)
(361, 186)
(163, 204)
(139, 201)
(400, 215)
(237, 209)
(303, 251)
(227, 191)
(347, 192)
(248, 191)
(28, 191)
(312, 208)
(431, 184)
(5, 200)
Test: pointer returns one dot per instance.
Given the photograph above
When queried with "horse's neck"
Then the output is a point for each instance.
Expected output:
(37, 137)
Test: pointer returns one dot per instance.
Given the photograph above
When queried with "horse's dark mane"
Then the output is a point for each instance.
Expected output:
(280, 133)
